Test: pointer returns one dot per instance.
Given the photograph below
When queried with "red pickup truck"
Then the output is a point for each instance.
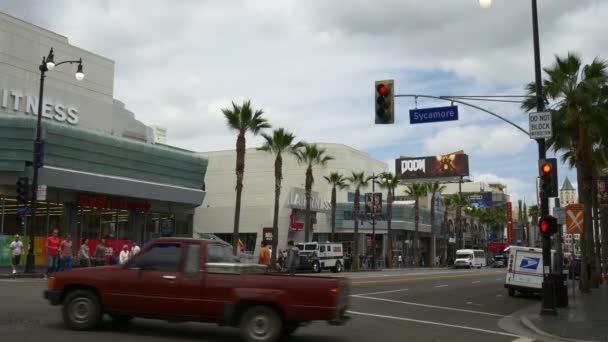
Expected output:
(180, 279)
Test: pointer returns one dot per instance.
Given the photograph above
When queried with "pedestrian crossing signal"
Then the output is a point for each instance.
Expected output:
(23, 190)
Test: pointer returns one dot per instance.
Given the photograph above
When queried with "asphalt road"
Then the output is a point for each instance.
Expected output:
(425, 305)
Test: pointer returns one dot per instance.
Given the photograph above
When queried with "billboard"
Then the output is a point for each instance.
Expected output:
(448, 165)
(481, 200)
(373, 203)
(509, 223)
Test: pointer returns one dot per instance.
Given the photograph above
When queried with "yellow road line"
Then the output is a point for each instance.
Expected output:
(400, 280)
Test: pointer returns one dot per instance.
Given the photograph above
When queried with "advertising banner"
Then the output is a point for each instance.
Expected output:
(481, 200)
(448, 165)
(509, 223)
(373, 203)
(267, 235)
(574, 218)
(602, 191)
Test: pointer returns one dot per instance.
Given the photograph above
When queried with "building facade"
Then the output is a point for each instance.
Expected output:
(102, 174)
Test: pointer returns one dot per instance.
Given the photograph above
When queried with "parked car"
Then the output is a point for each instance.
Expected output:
(179, 279)
(499, 261)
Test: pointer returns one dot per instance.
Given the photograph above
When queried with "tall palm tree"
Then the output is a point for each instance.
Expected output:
(446, 203)
(242, 118)
(337, 181)
(357, 180)
(434, 188)
(278, 143)
(310, 155)
(389, 181)
(416, 190)
(459, 201)
(576, 91)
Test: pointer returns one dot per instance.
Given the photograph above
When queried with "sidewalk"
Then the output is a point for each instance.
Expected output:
(585, 318)
(6, 272)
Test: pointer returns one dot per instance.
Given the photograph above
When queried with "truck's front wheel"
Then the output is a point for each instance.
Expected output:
(81, 310)
(260, 323)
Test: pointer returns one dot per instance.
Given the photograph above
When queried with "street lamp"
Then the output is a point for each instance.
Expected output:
(548, 306)
(48, 64)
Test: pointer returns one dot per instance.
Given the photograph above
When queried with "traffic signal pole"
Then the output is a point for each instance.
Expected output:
(548, 302)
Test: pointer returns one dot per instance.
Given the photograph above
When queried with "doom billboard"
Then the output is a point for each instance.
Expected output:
(445, 166)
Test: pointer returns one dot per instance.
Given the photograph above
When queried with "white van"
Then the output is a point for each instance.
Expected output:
(525, 269)
(330, 255)
(470, 258)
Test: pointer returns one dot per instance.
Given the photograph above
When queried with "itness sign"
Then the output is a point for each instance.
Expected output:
(540, 125)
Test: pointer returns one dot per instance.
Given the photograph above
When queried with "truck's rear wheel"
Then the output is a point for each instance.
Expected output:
(316, 267)
(81, 310)
(260, 323)
(338, 267)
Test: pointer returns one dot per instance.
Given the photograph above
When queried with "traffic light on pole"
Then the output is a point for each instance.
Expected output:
(548, 177)
(23, 190)
(385, 104)
(548, 226)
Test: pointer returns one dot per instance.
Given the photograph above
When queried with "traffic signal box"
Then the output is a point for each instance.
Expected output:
(548, 226)
(548, 177)
(385, 102)
(23, 190)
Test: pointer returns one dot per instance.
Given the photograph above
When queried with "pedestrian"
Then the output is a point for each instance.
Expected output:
(65, 251)
(52, 252)
(85, 254)
(16, 251)
(400, 261)
(264, 258)
(124, 255)
(100, 253)
(293, 256)
(135, 249)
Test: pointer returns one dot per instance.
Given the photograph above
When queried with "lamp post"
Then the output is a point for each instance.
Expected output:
(373, 208)
(548, 306)
(48, 64)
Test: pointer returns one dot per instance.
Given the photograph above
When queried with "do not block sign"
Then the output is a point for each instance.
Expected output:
(540, 125)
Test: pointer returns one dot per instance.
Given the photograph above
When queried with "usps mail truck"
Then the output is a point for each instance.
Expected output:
(525, 269)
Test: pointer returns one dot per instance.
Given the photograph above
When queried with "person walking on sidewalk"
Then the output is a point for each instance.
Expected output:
(52, 252)
(85, 254)
(16, 251)
(124, 255)
(100, 253)
(65, 250)
(264, 258)
(293, 256)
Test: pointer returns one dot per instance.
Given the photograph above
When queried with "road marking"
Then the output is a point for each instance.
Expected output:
(462, 275)
(477, 281)
(440, 324)
(441, 286)
(523, 339)
(375, 293)
(430, 306)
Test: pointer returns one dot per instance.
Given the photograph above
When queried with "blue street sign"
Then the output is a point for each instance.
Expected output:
(23, 211)
(436, 114)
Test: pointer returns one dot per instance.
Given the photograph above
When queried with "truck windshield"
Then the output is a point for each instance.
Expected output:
(463, 256)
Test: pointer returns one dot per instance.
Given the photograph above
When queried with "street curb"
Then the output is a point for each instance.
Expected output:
(528, 324)
(22, 276)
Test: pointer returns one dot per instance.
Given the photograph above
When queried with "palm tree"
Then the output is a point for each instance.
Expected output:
(389, 181)
(357, 180)
(311, 155)
(278, 143)
(446, 203)
(243, 119)
(434, 188)
(337, 181)
(577, 91)
(416, 190)
(459, 201)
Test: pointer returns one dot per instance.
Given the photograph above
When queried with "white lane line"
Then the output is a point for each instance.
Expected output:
(440, 286)
(523, 339)
(435, 323)
(375, 293)
(475, 282)
(430, 306)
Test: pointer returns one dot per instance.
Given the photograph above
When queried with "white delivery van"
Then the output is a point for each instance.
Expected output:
(470, 258)
(330, 254)
(525, 269)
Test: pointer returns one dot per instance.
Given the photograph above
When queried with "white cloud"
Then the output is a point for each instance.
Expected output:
(517, 188)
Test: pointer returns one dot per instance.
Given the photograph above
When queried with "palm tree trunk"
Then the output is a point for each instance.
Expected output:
(596, 233)
(389, 216)
(416, 222)
(433, 250)
(308, 221)
(333, 214)
(604, 225)
(240, 172)
(583, 176)
(355, 256)
(278, 166)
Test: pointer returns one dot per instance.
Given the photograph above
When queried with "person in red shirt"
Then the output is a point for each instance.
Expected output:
(52, 252)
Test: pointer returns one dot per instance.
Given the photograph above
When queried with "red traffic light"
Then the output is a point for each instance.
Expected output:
(546, 168)
(544, 226)
(381, 89)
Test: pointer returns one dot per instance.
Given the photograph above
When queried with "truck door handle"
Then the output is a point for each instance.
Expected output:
(169, 277)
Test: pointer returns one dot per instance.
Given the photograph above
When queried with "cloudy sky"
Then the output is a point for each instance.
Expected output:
(311, 66)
